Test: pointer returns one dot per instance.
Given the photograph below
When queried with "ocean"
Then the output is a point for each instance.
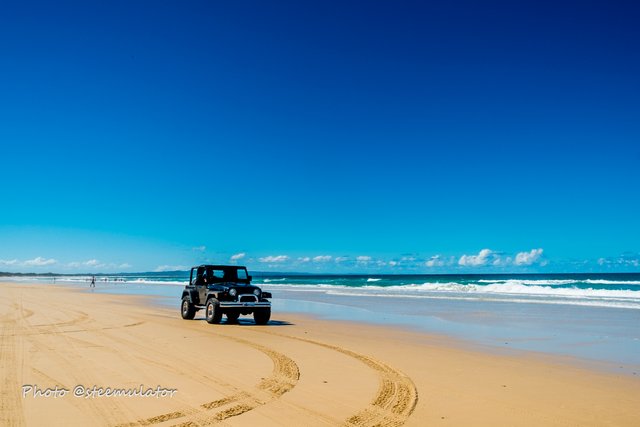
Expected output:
(618, 290)
(590, 316)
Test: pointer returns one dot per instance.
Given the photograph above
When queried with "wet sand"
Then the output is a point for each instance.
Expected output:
(295, 371)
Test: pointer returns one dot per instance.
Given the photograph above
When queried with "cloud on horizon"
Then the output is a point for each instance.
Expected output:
(238, 256)
(528, 258)
(93, 264)
(163, 268)
(40, 262)
(435, 261)
(35, 262)
(483, 257)
(625, 260)
(274, 259)
(488, 257)
(409, 263)
(485, 260)
(89, 263)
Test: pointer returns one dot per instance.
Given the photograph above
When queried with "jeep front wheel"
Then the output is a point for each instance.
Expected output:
(213, 313)
(187, 309)
(232, 316)
(262, 316)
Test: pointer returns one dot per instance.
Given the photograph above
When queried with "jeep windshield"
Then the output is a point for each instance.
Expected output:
(221, 275)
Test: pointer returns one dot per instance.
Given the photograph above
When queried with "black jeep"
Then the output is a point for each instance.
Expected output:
(224, 289)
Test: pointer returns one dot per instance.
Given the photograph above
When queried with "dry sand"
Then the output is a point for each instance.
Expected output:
(297, 371)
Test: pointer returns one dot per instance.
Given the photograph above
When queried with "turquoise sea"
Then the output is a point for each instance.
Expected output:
(619, 290)
(590, 316)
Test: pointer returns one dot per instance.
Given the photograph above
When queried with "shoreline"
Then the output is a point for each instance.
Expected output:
(597, 336)
(297, 370)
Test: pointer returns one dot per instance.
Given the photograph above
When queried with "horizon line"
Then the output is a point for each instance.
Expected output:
(298, 273)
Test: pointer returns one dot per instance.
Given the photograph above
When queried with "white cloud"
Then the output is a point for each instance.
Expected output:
(363, 259)
(322, 258)
(476, 260)
(39, 262)
(624, 260)
(162, 268)
(94, 263)
(435, 261)
(238, 256)
(341, 259)
(272, 258)
(201, 248)
(528, 258)
(304, 259)
(393, 263)
(42, 262)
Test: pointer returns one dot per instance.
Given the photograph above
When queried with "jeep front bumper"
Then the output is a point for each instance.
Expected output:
(245, 301)
(245, 304)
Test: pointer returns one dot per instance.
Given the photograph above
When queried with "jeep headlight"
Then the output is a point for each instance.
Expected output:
(257, 292)
(233, 292)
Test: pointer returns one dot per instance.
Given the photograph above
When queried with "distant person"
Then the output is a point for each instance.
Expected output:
(93, 282)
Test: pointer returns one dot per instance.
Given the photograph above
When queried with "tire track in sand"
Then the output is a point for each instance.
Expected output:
(395, 400)
(393, 403)
(81, 318)
(10, 399)
(283, 378)
(38, 337)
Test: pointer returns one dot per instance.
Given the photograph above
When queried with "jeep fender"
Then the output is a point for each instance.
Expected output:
(213, 295)
(192, 295)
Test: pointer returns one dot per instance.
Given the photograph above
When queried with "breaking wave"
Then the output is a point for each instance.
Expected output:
(516, 291)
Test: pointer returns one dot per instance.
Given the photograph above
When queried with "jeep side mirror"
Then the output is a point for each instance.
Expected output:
(249, 278)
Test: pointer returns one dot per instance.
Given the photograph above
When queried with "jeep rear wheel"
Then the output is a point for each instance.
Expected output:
(187, 309)
(262, 316)
(213, 313)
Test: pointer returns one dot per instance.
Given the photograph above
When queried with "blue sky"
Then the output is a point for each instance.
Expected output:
(320, 136)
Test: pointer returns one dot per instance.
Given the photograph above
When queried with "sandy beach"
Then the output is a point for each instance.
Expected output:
(65, 352)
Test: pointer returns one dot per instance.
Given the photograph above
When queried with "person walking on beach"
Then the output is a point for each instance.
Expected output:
(93, 282)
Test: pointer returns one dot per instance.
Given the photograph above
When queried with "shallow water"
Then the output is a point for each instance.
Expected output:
(597, 333)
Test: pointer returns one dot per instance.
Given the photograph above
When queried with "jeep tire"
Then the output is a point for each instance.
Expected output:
(212, 311)
(262, 315)
(187, 309)
(232, 316)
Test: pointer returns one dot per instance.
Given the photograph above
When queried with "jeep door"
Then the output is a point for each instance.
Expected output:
(201, 287)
